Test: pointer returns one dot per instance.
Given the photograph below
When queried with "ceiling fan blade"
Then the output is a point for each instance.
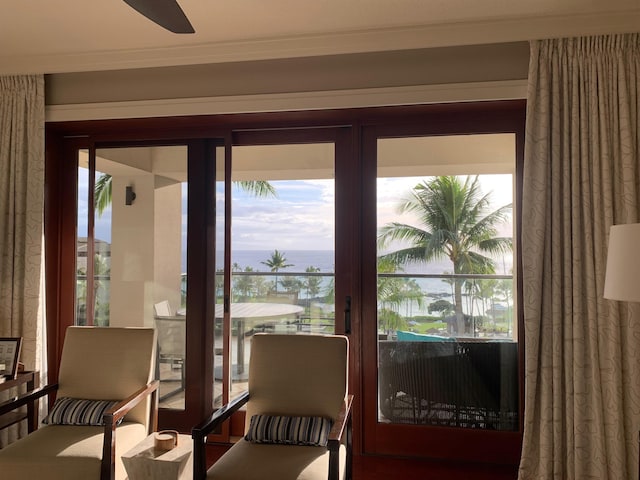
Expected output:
(166, 13)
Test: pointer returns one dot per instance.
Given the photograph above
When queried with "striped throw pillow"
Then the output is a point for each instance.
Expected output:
(289, 430)
(77, 411)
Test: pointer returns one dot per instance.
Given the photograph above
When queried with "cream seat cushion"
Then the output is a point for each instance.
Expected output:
(273, 462)
(65, 452)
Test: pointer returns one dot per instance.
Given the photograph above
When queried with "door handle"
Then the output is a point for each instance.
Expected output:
(226, 304)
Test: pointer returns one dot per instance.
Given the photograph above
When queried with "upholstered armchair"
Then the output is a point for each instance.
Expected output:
(298, 413)
(106, 403)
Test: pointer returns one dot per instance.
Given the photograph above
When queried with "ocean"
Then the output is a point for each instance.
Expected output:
(433, 288)
(324, 260)
(299, 259)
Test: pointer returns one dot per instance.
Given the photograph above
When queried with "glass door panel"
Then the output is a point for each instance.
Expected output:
(137, 239)
(446, 353)
(447, 345)
(219, 389)
(84, 246)
(93, 252)
(283, 245)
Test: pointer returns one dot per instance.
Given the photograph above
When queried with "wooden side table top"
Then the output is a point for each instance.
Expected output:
(144, 462)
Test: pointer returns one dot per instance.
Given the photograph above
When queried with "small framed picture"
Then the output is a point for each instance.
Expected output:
(9, 355)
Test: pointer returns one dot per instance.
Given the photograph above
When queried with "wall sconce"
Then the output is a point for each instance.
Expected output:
(129, 195)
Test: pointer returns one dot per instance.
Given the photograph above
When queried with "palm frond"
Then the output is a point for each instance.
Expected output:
(102, 193)
(257, 188)
(454, 223)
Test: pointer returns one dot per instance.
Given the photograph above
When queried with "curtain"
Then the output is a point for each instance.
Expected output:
(21, 221)
(581, 175)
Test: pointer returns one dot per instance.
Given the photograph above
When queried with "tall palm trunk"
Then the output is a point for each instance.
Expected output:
(460, 323)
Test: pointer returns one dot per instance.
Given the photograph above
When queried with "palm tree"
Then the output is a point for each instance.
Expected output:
(441, 306)
(312, 284)
(100, 295)
(275, 263)
(244, 285)
(102, 192)
(291, 285)
(102, 276)
(257, 188)
(390, 297)
(484, 292)
(456, 223)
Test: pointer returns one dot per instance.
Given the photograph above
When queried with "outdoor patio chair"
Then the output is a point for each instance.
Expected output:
(172, 333)
(106, 404)
(298, 416)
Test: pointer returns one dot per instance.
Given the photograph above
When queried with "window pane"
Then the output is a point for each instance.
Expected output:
(81, 240)
(447, 348)
(218, 398)
(283, 245)
(140, 252)
(102, 248)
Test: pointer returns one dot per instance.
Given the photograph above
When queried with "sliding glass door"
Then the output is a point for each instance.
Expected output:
(445, 340)
(211, 242)
(276, 258)
(135, 224)
(213, 230)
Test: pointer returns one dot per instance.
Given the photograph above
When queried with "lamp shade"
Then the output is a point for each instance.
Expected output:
(622, 280)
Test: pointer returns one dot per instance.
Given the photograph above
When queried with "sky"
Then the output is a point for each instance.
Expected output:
(301, 217)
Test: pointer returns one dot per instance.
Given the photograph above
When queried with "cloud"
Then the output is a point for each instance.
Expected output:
(300, 218)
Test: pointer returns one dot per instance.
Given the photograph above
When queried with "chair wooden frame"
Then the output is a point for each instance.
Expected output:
(342, 430)
(111, 418)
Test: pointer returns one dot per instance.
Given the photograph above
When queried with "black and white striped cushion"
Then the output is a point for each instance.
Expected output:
(289, 430)
(77, 411)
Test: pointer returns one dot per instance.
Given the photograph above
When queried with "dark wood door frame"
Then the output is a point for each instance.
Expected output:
(355, 173)
(424, 441)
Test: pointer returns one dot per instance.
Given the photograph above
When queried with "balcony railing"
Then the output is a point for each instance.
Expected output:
(422, 303)
(471, 382)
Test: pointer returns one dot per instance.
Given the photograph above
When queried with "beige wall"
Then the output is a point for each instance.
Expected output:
(132, 253)
(168, 245)
(146, 237)
(434, 66)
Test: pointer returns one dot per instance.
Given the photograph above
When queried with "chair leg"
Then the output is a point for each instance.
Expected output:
(334, 464)
(348, 467)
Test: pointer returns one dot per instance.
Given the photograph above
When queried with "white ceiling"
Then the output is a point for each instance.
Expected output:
(50, 36)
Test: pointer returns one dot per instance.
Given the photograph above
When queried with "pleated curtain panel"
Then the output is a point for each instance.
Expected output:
(21, 221)
(581, 175)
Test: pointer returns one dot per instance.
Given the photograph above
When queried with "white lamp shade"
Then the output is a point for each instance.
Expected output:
(622, 280)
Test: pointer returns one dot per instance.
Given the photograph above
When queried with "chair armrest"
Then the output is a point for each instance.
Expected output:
(199, 433)
(223, 413)
(117, 412)
(25, 398)
(111, 418)
(340, 425)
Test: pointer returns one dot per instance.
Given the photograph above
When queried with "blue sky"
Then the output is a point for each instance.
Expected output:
(301, 218)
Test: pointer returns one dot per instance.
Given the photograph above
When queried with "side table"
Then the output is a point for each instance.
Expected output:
(144, 462)
(32, 381)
